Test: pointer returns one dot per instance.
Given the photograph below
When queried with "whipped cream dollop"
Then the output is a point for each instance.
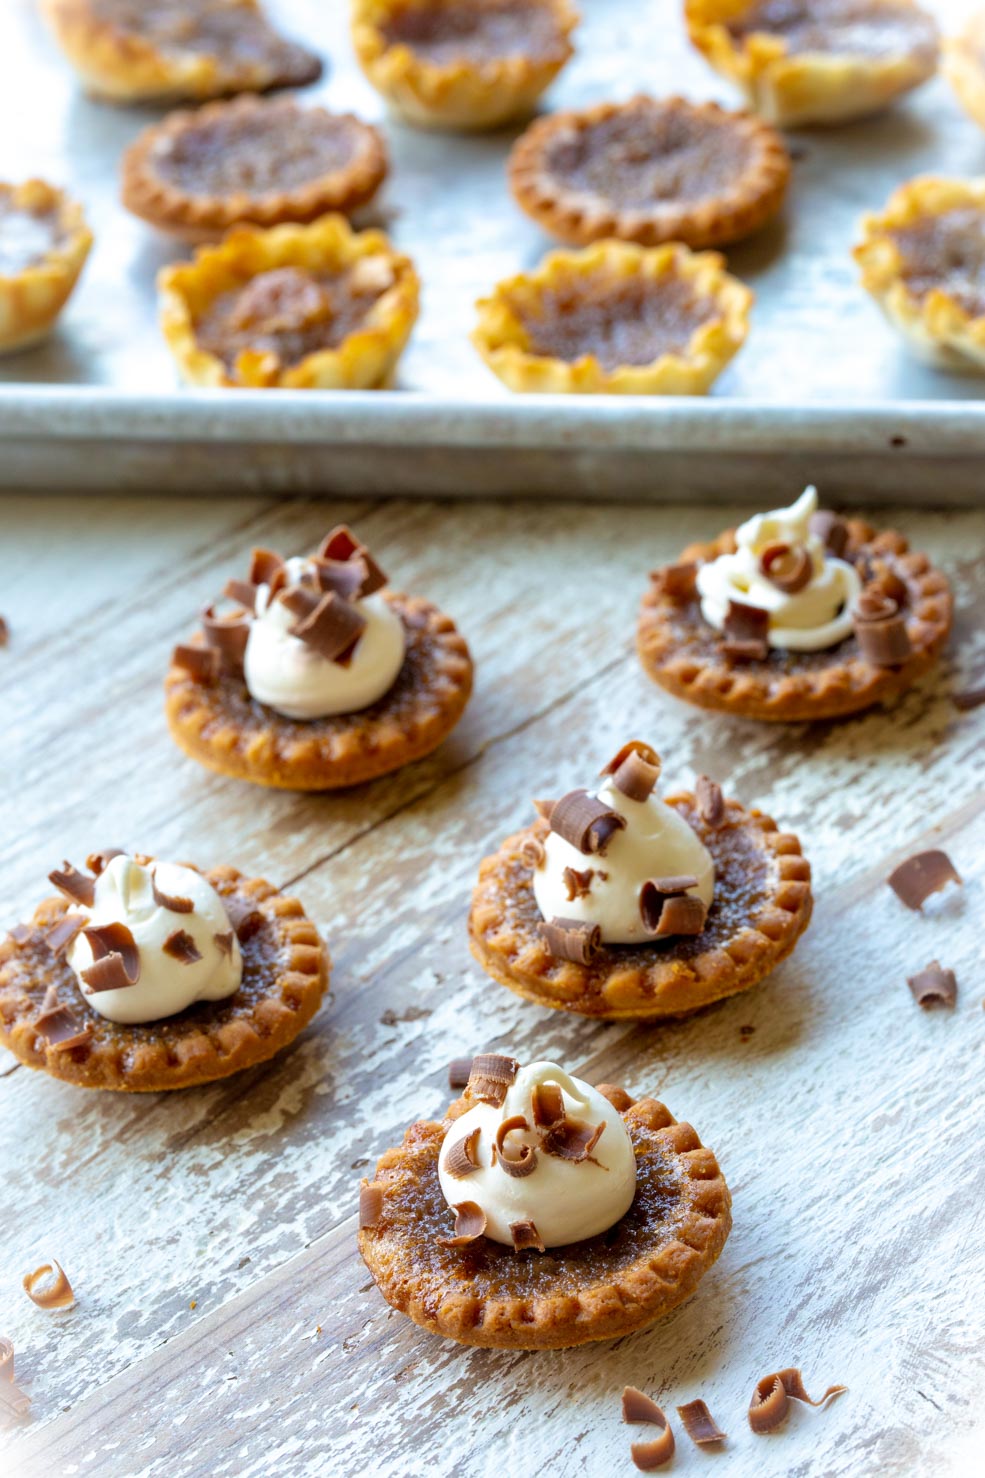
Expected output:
(290, 676)
(816, 616)
(169, 977)
(566, 1199)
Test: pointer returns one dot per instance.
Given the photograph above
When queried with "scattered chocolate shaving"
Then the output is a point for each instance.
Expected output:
(20, 933)
(548, 1105)
(710, 801)
(345, 577)
(519, 1165)
(4, 632)
(934, 985)
(699, 1424)
(341, 545)
(635, 770)
(745, 623)
(12, 1397)
(470, 1223)
(572, 1140)
(533, 853)
(116, 958)
(463, 1157)
(172, 904)
(181, 947)
(577, 884)
(97, 862)
(670, 910)
(59, 1025)
(787, 566)
(265, 565)
(331, 629)
(490, 1077)
(680, 883)
(746, 649)
(300, 599)
(459, 1072)
(637, 1406)
(545, 809)
(244, 592)
(679, 582)
(831, 530)
(569, 939)
(886, 582)
(227, 635)
(201, 663)
(526, 1237)
(224, 944)
(880, 630)
(58, 1295)
(914, 880)
(969, 699)
(74, 884)
(586, 822)
(370, 1205)
(245, 919)
(771, 1399)
(648, 1456)
(61, 935)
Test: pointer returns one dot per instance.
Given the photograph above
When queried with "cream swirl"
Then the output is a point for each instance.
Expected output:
(807, 620)
(567, 1200)
(291, 677)
(166, 982)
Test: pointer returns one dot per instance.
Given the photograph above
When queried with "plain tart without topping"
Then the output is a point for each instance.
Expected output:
(44, 242)
(963, 64)
(49, 1013)
(317, 676)
(316, 307)
(816, 61)
(156, 50)
(462, 64)
(650, 170)
(437, 1262)
(617, 319)
(923, 260)
(252, 160)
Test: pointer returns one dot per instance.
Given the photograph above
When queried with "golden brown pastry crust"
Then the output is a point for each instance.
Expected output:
(285, 974)
(681, 652)
(753, 194)
(225, 729)
(459, 95)
(123, 66)
(31, 299)
(202, 216)
(963, 64)
(363, 361)
(503, 340)
(607, 1286)
(762, 905)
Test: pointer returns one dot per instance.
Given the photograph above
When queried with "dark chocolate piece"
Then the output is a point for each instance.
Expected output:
(201, 663)
(831, 530)
(586, 822)
(570, 939)
(771, 1399)
(526, 1237)
(710, 801)
(181, 947)
(74, 884)
(914, 880)
(491, 1076)
(470, 1223)
(342, 545)
(934, 985)
(463, 1157)
(116, 958)
(745, 623)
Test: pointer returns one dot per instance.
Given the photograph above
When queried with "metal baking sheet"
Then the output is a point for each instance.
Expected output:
(822, 390)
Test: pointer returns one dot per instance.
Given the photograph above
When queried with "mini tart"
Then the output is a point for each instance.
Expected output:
(923, 260)
(337, 319)
(963, 64)
(146, 50)
(816, 61)
(252, 160)
(761, 906)
(40, 267)
(285, 974)
(650, 170)
(462, 64)
(617, 319)
(223, 727)
(681, 652)
(613, 1284)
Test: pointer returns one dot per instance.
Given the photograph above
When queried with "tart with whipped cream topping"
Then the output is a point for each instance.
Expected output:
(317, 676)
(255, 160)
(44, 243)
(618, 904)
(650, 170)
(462, 64)
(157, 50)
(794, 616)
(542, 1213)
(144, 975)
(816, 61)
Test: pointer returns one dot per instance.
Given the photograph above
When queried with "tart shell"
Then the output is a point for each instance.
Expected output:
(963, 64)
(31, 300)
(285, 973)
(614, 1284)
(222, 727)
(792, 687)
(761, 907)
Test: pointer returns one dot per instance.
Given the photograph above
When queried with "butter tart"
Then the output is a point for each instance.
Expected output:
(259, 161)
(923, 260)
(315, 307)
(44, 242)
(147, 50)
(650, 170)
(963, 64)
(47, 1022)
(615, 318)
(816, 61)
(478, 1291)
(462, 64)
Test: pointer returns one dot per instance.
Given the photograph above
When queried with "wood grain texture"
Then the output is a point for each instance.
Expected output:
(225, 1324)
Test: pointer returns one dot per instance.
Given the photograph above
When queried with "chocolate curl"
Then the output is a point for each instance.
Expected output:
(224, 943)
(572, 1140)
(459, 1072)
(370, 1205)
(463, 1157)
(344, 577)
(181, 946)
(97, 862)
(635, 770)
(61, 935)
(886, 582)
(74, 884)
(341, 545)
(934, 986)
(532, 852)
(227, 635)
(831, 530)
(245, 919)
(265, 566)
(548, 1105)
(880, 630)
(519, 1166)
(679, 582)
(20, 933)
(526, 1237)
(746, 623)
(577, 884)
(699, 1424)
(570, 939)
(244, 592)
(586, 822)
(470, 1223)
(490, 1077)
(116, 958)
(710, 801)
(332, 628)
(787, 566)
(168, 901)
(668, 910)
(919, 876)
(58, 1295)
(59, 1026)
(648, 1456)
(545, 809)
(201, 663)
(300, 600)
(749, 650)
(12, 1398)
(771, 1399)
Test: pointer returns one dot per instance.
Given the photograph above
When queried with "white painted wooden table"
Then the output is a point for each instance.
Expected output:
(225, 1324)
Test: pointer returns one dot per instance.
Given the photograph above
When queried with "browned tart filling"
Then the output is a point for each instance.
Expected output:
(848, 27)
(946, 252)
(235, 30)
(477, 32)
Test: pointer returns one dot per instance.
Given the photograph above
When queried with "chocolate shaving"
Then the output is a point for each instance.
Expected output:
(969, 699)
(490, 1077)
(12, 1398)
(20, 933)
(532, 852)
(370, 1205)
(172, 904)
(470, 1223)
(921, 875)
(224, 943)
(674, 885)
(586, 822)
(4, 631)
(637, 1406)
(116, 958)
(572, 1140)
(519, 1165)
(570, 939)
(228, 635)
(577, 884)
(265, 566)
(670, 910)
(746, 649)
(58, 1295)
(771, 1399)
(459, 1072)
(545, 809)
(710, 801)
(548, 1105)
(300, 600)
(635, 770)
(244, 592)
(97, 862)
(745, 623)
(61, 935)
(526, 1237)
(886, 582)
(934, 985)
(648, 1456)
(463, 1157)
(181, 947)
(831, 530)
(74, 884)
(787, 566)
(59, 1025)
(699, 1424)
(881, 630)
(331, 629)
(245, 919)
(345, 577)
(342, 546)
(679, 582)
(201, 663)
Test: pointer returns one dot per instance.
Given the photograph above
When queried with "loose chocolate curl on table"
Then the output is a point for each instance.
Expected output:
(771, 1399)
(57, 1294)
(921, 875)
(638, 1407)
(699, 1424)
(570, 939)
(934, 986)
